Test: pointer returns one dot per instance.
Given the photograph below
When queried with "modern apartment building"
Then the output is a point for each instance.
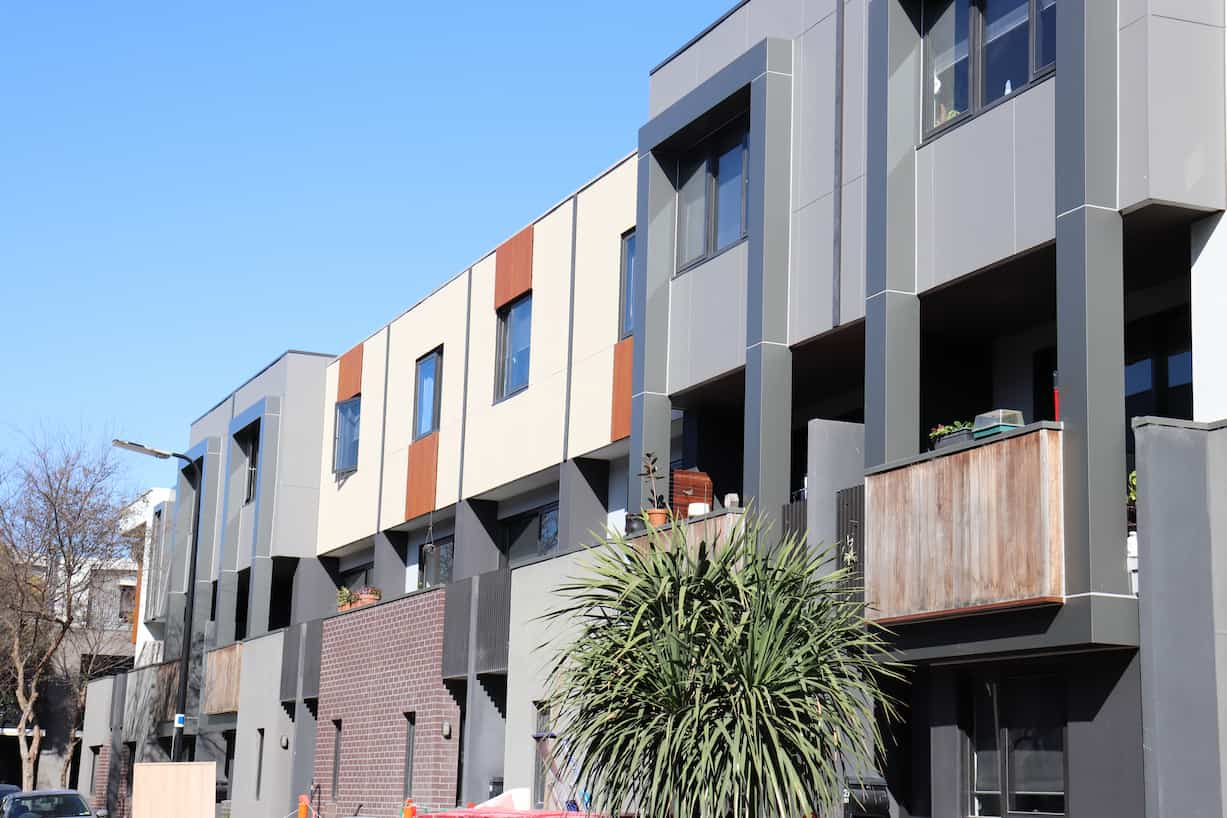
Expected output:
(847, 221)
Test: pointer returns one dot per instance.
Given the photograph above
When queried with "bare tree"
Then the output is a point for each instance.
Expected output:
(60, 521)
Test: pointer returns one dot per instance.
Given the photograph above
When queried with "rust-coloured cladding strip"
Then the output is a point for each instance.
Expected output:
(513, 268)
(349, 380)
(422, 476)
(624, 357)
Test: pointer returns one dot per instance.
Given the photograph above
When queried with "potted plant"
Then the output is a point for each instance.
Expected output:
(1131, 500)
(656, 512)
(950, 434)
(366, 595)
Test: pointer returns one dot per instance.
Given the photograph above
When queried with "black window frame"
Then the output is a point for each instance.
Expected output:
(437, 354)
(541, 770)
(259, 762)
(336, 757)
(337, 469)
(1002, 684)
(708, 152)
(501, 393)
(975, 66)
(362, 572)
(430, 563)
(411, 721)
(626, 298)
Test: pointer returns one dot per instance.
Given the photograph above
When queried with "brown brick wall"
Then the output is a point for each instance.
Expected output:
(98, 787)
(111, 790)
(376, 664)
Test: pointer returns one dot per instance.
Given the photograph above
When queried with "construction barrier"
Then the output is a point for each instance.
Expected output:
(180, 789)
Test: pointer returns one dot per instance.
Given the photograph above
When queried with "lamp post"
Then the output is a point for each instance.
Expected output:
(185, 657)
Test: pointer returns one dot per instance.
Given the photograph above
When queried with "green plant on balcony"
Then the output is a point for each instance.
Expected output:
(365, 595)
(1131, 500)
(736, 677)
(944, 434)
(656, 512)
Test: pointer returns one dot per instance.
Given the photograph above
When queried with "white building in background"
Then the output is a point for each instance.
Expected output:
(149, 512)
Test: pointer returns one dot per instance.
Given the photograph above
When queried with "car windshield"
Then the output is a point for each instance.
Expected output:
(50, 806)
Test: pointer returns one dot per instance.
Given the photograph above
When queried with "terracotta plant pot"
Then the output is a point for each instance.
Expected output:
(656, 516)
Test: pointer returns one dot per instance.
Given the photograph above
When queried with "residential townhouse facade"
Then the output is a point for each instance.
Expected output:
(846, 222)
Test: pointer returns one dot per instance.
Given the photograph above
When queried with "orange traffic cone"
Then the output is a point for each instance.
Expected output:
(302, 806)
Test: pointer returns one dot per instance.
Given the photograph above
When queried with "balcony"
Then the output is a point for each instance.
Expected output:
(967, 530)
(221, 690)
(701, 528)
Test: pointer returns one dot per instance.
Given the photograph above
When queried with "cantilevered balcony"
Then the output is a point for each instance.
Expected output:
(966, 530)
(222, 668)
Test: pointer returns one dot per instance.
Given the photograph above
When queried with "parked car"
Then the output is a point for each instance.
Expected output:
(47, 804)
(8, 789)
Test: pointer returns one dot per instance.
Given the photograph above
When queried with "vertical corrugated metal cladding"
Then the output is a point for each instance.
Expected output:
(493, 621)
(793, 516)
(312, 646)
(456, 629)
(849, 525)
(289, 662)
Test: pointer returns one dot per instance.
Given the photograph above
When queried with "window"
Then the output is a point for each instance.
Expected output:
(711, 196)
(127, 604)
(541, 754)
(979, 51)
(336, 756)
(410, 734)
(225, 787)
(626, 321)
(345, 445)
(426, 394)
(514, 338)
(357, 577)
(434, 564)
(95, 753)
(259, 761)
(47, 805)
(248, 440)
(1017, 760)
(547, 531)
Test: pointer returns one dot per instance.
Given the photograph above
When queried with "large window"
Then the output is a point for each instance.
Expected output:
(435, 564)
(626, 312)
(979, 51)
(1017, 758)
(711, 196)
(514, 341)
(345, 446)
(429, 386)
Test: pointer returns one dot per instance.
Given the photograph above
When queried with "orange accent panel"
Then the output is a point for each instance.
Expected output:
(623, 363)
(422, 476)
(513, 268)
(349, 381)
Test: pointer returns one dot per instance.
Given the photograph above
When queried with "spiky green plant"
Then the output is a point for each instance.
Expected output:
(734, 678)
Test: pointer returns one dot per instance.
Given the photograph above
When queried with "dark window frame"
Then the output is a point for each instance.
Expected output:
(336, 757)
(410, 738)
(708, 152)
(248, 439)
(501, 392)
(437, 354)
(429, 573)
(364, 569)
(540, 736)
(1002, 683)
(337, 468)
(626, 298)
(975, 68)
(259, 761)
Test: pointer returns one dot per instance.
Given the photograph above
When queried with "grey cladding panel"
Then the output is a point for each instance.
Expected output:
(289, 663)
(456, 612)
(707, 319)
(493, 621)
(809, 298)
(312, 643)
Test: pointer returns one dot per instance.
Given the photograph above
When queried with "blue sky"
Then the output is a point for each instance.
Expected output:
(185, 192)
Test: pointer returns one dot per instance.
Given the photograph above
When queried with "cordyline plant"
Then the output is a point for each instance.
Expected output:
(730, 679)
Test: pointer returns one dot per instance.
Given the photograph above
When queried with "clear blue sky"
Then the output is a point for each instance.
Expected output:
(187, 192)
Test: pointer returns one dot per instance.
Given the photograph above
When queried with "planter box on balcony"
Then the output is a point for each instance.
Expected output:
(360, 601)
(953, 439)
(969, 531)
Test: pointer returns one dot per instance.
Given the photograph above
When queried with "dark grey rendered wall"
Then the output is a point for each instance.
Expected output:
(1182, 567)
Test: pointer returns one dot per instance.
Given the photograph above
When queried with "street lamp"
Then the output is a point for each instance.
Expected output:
(176, 747)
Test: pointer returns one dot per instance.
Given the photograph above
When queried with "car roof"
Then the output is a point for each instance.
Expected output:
(49, 792)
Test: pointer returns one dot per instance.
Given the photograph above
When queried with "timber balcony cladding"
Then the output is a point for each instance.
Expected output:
(221, 693)
(967, 532)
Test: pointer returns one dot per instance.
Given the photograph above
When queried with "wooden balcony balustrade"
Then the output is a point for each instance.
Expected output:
(967, 530)
(221, 688)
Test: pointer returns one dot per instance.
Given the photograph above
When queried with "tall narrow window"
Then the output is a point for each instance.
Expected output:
(336, 756)
(248, 440)
(410, 735)
(226, 791)
(626, 324)
(514, 341)
(691, 211)
(711, 195)
(547, 531)
(94, 753)
(427, 391)
(259, 761)
(1007, 65)
(541, 754)
(729, 171)
(985, 763)
(1045, 33)
(345, 447)
(947, 62)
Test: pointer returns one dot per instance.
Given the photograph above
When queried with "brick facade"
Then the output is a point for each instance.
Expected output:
(110, 788)
(98, 786)
(376, 665)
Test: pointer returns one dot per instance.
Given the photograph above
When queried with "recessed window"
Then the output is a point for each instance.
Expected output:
(979, 51)
(1017, 762)
(547, 531)
(345, 445)
(711, 196)
(336, 757)
(248, 440)
(410, 736)
(541, 754)
(434, 564)
(259, 761)
(626, 321)
(427, 390)
(357, 577)
(514, 342)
